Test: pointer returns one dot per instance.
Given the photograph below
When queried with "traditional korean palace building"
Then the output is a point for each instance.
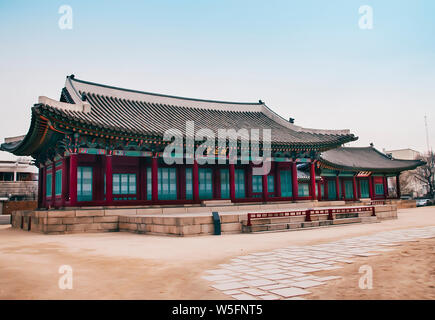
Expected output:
(103, 146)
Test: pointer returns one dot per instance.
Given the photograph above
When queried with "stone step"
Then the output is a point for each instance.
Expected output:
(212, 203)
(370, 219)
(288, 219)
(285, 226)
(347, 220)
(300, 225)
(5, 219)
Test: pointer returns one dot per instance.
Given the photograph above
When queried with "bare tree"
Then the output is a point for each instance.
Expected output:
(425, 174)
(408, 183)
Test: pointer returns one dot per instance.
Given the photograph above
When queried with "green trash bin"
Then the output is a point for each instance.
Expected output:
(217, 223)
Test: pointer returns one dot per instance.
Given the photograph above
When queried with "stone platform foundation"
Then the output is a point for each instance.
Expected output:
(65, 221)
(185, 221)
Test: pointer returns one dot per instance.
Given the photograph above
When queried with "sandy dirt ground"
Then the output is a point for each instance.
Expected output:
(130, 266)
(407, 273)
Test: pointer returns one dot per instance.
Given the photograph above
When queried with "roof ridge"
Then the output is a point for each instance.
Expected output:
(355, 147)
(73, 78)
(383, 154)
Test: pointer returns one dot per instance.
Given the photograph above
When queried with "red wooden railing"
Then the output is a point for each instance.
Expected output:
(377, 202)
(307, 213)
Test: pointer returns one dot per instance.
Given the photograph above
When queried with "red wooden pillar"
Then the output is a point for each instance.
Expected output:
(277, 181)
(73, 180)
(385, 187)
(249, 181)
(154, 177)
(178, 170)
(295, 190)
(355, 196)
(343, 190)
(44, 188)
(337, 187)
(140, 180)
(143, 180)
(109, 180)
(232, 183)
(64, 181)
(216, 182)
(371, 191)
(53, 184)
(398, 186)
(40, 187)
(182, 173)
(265, 195)
(312, 181)
(195, 180)
(319, 191)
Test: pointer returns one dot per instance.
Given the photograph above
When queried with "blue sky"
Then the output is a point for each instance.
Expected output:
(306, 59)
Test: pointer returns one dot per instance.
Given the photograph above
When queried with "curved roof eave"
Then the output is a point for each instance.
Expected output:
(395, 165)
(33, 140)
(373, 169)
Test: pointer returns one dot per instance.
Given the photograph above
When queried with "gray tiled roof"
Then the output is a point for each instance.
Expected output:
(147, 113)
(365, 159)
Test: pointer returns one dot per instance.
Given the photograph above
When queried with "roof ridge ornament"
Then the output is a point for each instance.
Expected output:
(78, 107)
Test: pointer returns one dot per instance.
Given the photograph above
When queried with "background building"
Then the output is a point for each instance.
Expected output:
(18, 178)
(410, 185)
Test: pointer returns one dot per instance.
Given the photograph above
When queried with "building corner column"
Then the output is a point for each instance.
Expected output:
(319, 191)
(355, 195)
(371, 190)
(232, 172)
(249, 180)
(313, 180)
(277, 180)
(295, 188)
(40, 187)
(109, 180)
(53, 183)
(73, 180)
(265, 187)
(195, 181)
(64, 194)
(154, 178)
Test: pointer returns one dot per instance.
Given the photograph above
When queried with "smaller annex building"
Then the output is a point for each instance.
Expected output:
(352, 173)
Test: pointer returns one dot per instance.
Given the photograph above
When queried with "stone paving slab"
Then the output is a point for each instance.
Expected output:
(243, 296)
(254, 292)
(306, 284)
(290, 292)
(229, 285)
(270, 297)
(285, 273)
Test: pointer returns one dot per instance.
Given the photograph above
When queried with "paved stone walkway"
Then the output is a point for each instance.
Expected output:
(285, 273)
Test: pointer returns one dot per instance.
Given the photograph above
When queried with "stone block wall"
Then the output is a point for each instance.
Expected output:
(386, 212)
(180, 226)
(65, 221)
